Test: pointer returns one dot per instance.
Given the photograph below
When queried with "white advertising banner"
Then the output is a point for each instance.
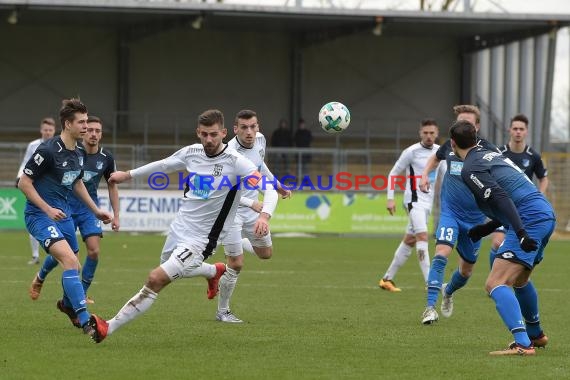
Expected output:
(144, 210)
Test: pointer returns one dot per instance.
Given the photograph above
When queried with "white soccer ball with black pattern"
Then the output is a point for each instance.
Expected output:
(334, 117)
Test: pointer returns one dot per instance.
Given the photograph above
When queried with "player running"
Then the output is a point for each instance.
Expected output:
(459, 213)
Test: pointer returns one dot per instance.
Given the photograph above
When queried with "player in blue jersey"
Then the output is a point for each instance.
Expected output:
(49, 178)
(99, 163)
(459, 213)
(508, 197)
(525, 158)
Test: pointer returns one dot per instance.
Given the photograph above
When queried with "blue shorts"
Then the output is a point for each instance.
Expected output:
(453, 232)
(47, 231)
(87, 223)
(512, 251)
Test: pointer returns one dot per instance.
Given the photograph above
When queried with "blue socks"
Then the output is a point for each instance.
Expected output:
(528, 301)
(510, 312)
(435, 278)
(457, 282)
(88, 272)
(47, 266)
(73, 289)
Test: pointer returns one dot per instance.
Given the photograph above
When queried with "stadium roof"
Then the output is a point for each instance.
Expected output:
(480, 30)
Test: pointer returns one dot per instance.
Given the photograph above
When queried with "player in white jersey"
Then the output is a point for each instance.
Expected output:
(217, 174)
(251, 143)
(47, 130)
(418, 204)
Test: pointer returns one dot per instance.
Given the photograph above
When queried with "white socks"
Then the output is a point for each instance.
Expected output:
(140, 303)
(227, 286)
(400, 257)
(35, 247)
(422, 250)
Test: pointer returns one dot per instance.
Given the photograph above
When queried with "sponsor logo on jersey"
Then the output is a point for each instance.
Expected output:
(88, 175)
(476, 181)
(455, 168)
(99, 165)
(47, 242)
(80, 161)
(262, 153)
(69, 177)
(64, 164)
(38, 159)
(28, 171)
(507, 255)
(487, 193)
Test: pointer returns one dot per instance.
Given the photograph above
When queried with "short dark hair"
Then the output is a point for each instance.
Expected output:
(428, 121)
(69, 107)
(245, 114)
(48, 121)
(464, 134)
(520, 117)
(468, 108)
(211, 117)
(93, 119)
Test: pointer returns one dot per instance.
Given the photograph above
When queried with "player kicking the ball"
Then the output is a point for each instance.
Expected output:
(210, 201)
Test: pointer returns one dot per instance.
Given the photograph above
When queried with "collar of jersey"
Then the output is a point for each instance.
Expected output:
(217, 154)
(244, 147)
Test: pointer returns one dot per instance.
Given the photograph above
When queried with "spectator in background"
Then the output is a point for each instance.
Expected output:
(282, 138)
(47, 130)
(303, 138)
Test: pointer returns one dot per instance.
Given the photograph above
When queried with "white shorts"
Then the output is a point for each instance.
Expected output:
(243, 227)
(417, 219)
(179, 237)
(182, 263)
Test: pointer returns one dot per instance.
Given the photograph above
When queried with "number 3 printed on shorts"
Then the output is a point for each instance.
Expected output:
(53, 232)
(444, 236)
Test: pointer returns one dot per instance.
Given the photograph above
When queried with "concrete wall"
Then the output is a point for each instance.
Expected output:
(40, 66)
(387, 83)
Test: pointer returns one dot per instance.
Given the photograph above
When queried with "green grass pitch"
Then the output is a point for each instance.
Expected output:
(314, 311)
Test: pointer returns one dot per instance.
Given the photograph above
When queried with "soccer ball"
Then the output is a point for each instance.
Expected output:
(334, 117)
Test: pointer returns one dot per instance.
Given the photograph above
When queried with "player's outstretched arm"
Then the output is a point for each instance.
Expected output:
(26, 185)
(431, 164)
(284, 192)
(81, 191)
(119, 177)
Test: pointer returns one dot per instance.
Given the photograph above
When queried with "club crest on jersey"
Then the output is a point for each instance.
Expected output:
(38, 159)
(218, 168)
(99, 165)
(80, 161)
(525, 162)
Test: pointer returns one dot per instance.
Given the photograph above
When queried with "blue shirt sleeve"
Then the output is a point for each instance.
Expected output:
(539, 170)
(40, 162)
(443, 150)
